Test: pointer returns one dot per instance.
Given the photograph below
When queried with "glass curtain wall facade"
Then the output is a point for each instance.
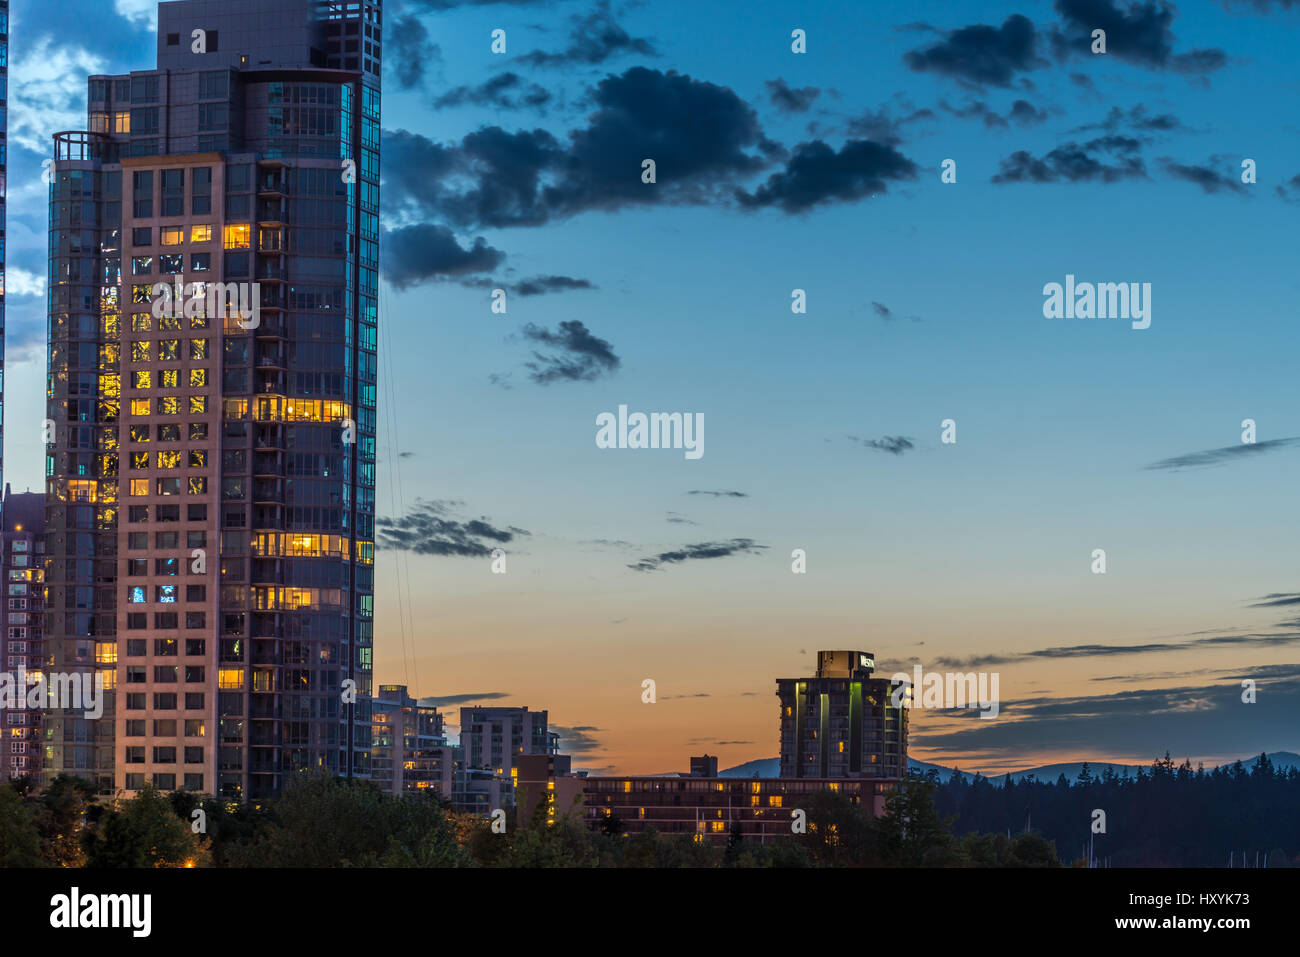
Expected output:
(213, 334)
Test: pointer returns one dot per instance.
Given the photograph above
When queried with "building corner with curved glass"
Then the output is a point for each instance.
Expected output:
(212, 371)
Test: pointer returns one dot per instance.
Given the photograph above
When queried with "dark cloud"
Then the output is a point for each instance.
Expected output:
(424, 252)
(886, 124)
(1138, 32)
(1230, 453)
(672, 697)
(595, 38)
(981, 54)
(439, 701)
(817, 174)
(1194, 719)
(789, 100)
(736, 546)
(718, 493)
(1134, 118)
(576, 740)
(1210, 180)
(408, 51)
(505, 91)
(1022, 113)
(675, 518)
(893, 444)
(1107, 159)
(1275, 600)
(1259, 640)
(578, 355)
(426, 530)
(493, 178)
(539, 285)
(881, 310)
(1290, 191)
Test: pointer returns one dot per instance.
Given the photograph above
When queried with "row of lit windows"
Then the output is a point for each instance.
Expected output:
(170, 405)
(278, 408)
(168, 378)
(168, 350)
(233, 236)
(197, 459)
(143, 321)
(309, 545)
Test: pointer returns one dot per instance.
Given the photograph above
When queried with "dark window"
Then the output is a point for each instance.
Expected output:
(200, 262)
(201, 191)
(144, 89)
(173, 39)
(143, 183)
(173, 192)
(196, 513)
(144, 121)
(142, 236)
(212, 116)
(213, 85)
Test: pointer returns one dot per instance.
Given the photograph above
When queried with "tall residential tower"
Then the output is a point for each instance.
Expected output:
(214, 237)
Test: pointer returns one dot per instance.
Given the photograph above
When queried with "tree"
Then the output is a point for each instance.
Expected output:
(61, 813)
(20, 844)
(912, 833)
(145, 832)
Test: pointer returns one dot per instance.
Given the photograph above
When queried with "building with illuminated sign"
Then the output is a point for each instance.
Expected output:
(842, 722)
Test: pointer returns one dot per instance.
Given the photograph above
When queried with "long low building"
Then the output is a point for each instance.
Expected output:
(709, 807)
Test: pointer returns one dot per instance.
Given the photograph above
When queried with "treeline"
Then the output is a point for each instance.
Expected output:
(326, 822)
(1167, 816)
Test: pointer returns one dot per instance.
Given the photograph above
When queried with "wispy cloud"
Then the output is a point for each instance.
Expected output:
(1225, 455)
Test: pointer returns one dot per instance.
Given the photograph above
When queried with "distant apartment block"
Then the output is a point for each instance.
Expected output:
(709, 808)
(409, 750)
(22, 557)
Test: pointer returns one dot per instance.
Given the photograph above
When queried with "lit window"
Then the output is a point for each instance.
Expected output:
(142, 379)
(203, 234)
(141, 293)
(135, 595)
(166, 594)
(198, 458)
(198, 378)
(139, 406)
(170, 379)
(237, 236)
(169, 324)
(140, 351)
(140, 433)
(169, 405)
(169, 460)
(140, 460)
(122, 122)
(198, 348)
(198, 485)
(230, 679)
(173, 235)
(198, 404)
(169, 350)
(140, 322)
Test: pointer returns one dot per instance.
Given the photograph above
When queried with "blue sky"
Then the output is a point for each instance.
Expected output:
(818, 171)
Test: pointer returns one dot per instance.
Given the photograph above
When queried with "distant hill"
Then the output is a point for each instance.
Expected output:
(771, 767)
